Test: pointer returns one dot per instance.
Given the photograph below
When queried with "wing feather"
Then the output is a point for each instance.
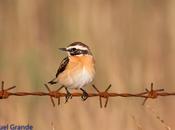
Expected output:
(63, 65)
(61, 68)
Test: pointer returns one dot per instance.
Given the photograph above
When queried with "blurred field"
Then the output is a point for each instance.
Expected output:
(133, 42)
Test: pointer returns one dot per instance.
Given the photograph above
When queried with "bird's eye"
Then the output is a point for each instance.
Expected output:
(73, 49)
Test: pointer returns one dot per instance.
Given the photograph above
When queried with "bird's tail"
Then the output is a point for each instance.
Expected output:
(53, 81)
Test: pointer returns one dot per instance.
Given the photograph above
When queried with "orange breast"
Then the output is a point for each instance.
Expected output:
(81, 61)
(75, 66)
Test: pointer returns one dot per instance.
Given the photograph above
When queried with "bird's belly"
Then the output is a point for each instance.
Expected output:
(78, 79)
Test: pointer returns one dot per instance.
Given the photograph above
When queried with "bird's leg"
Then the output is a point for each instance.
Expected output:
(68, 95)
(59, 88)
(85, 95)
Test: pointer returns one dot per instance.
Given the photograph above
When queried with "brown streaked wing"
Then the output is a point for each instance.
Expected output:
(63, 65)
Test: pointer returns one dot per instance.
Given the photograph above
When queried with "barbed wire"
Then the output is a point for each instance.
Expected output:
(147, 94)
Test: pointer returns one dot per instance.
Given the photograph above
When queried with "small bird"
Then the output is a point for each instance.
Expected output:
(76, 70)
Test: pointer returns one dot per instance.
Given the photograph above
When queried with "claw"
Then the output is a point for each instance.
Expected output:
(85, 95)
(68, 95)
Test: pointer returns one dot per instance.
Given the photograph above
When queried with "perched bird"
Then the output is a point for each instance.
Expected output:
(77, 70)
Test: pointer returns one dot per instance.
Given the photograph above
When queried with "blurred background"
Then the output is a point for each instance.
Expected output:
(133, 42)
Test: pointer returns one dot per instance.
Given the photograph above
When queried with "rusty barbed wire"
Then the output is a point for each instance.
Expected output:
(147, 94)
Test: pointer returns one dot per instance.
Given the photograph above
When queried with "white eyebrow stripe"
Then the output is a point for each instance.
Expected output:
(78, 47)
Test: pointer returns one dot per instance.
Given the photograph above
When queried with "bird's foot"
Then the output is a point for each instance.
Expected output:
(68, 96)
(85, 95)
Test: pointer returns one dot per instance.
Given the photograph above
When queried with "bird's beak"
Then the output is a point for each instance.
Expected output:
(63, 49)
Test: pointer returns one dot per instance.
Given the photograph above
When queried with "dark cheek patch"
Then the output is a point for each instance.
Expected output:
(84, 52)
(78, 52)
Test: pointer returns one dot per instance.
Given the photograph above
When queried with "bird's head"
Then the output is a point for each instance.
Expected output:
(77, 49)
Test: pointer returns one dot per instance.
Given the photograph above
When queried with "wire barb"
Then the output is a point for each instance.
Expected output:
(152, 93)
(59, 100)
(100, 100)
(4, 92)
(107, 95)
(103, 94)
(51, 98)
